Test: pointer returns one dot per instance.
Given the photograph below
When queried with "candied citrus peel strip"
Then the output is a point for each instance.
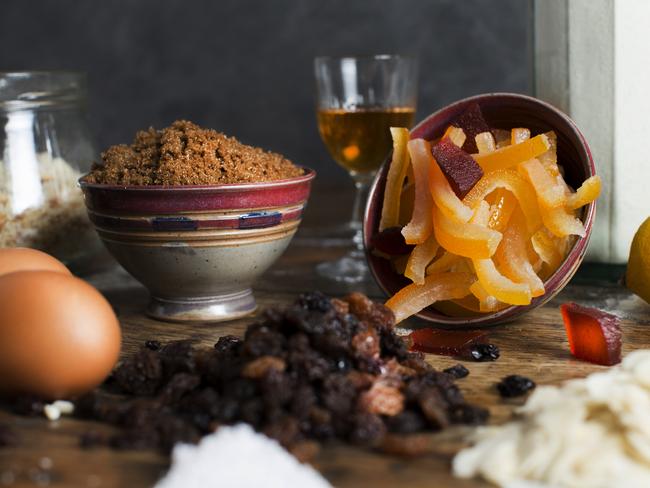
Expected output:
(406, 202)
(456, 134)
(439, 286)
(512, 181)
(587, 193)
(512, 155)
(512, 256)
(550, 192)
(519, 134)
(419, 258)
(486, 302)
(561, 222)
(549, 158)
(545, 247)
(464, 239)
(419, 228)
(395, 178)
(501, 211)
(481, 214)
(500, 287)
(443, 263)
(443, 196)
(485, 142)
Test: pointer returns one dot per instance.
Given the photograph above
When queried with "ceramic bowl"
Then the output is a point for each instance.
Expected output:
(198, 249)
(501, 110)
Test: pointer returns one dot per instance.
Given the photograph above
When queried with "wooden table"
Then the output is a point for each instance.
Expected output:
(534, 345)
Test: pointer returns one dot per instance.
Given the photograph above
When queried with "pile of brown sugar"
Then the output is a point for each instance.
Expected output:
(186, 154)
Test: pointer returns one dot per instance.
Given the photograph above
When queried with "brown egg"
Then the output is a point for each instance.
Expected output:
(59, 337)
(25, 259)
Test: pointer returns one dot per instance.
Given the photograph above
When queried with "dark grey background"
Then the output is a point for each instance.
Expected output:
(245, 66)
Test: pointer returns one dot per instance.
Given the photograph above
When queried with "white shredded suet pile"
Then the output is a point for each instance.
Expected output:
(238, 457)
(588, 433)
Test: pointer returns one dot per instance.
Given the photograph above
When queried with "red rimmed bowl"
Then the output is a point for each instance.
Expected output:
(198, 249)
(501, 110)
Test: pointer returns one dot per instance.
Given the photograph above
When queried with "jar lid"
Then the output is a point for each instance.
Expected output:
(21, 90)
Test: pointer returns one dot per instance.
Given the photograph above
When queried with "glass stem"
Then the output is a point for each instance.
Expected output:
(356, 223)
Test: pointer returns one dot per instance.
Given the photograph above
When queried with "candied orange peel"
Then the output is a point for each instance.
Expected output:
(395, 179)
(494, 247)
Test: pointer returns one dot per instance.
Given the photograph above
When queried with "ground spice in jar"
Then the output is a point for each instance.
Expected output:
(186, 154)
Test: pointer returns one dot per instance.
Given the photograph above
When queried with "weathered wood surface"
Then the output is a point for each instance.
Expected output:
(534, 345)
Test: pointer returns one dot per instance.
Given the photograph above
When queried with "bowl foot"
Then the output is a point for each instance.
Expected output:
(207, 309)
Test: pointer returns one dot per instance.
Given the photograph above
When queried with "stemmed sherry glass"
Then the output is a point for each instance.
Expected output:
(358, 100)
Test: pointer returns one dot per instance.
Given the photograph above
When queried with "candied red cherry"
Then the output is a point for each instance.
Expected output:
(473, 123)
(459, 168)
(594, 335)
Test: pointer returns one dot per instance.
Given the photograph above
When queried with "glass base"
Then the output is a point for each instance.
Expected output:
(351, 268)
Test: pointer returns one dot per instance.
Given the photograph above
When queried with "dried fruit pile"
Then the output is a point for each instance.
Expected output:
(484, 214)
(319, 369)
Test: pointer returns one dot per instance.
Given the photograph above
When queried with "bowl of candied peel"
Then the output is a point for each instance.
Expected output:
(482, 212)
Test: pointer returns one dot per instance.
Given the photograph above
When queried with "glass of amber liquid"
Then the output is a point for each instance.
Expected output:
(358, 100)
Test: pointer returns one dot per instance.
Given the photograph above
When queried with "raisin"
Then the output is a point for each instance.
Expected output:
(382, 399)
(341, 307)
(141, 374)
(259, 367)
(153, 345)
(338, 394)
(228, 343)
(393, 346)
(457, 371)
(314, 301)
(319, 369)
(366, 344)
(515, 385)
(285, 430)
(406, 422)
(468, 414)
(178, 357)
(434, 408)
(263, 341)
(484, 352)
(178, 386)
(359, 304)
(367, 429)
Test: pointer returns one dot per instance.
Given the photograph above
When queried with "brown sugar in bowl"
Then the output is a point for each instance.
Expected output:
(501, 110)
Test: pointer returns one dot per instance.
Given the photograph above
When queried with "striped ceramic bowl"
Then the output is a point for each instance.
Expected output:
(198, 249)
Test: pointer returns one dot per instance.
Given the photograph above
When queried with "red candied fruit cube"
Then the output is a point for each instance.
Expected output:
(473, 123)
(445, 342)
(594, 335)
(461, 170)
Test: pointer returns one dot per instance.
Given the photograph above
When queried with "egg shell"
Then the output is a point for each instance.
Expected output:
(14, 259)
(59, 337)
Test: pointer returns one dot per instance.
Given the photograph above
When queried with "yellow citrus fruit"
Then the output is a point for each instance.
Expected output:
(637, 277)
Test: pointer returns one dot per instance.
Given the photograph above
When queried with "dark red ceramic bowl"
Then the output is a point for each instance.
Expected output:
(501, 110)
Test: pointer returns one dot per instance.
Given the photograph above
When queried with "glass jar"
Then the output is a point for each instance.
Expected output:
(45, 146)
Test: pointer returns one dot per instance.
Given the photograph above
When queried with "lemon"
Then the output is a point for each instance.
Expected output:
(637, 276)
